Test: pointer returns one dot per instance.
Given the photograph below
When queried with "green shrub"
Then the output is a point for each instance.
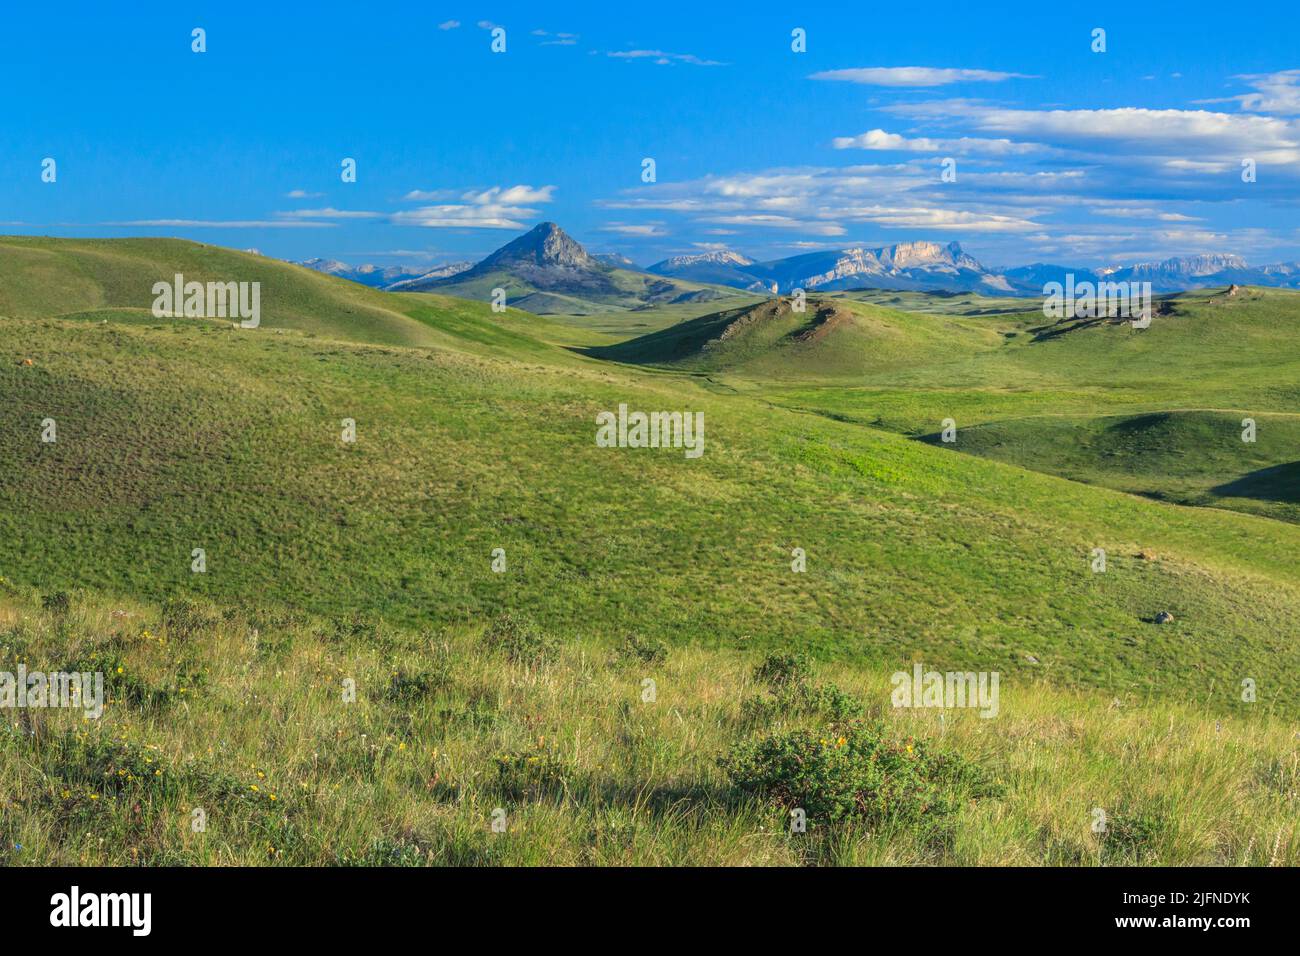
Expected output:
(640, 650)
(861, 773)
(792, 694)
(58, 602)
(407, 688)
(783, 670)
(184, 618)
(1134, 836)
(521, 639)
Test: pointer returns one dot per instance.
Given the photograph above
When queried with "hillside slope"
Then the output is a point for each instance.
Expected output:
(114, 278)
(184, 437)
(1157, 411)
(833, 338)
(235, 708)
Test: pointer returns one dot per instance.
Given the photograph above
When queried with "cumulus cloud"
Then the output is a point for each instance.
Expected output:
(1192, 135)
(819, 201)
(1274, 93)
(878, 139)
(499, 207)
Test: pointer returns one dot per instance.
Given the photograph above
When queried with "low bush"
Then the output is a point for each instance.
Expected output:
(861, 773)
(520, 638)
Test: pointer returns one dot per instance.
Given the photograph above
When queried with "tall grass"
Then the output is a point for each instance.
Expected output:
(239, 712)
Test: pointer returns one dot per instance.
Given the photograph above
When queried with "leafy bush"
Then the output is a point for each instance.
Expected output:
(407, 688)
(521, 639)
(1133, 836)
(637, 649)
(57, 602)
(184, 618)
(783, 670)
(791, 693)
(861, 773)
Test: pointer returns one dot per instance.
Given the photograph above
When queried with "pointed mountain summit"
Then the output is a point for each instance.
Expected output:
(545, 245)
(548, 271)
(546, 258)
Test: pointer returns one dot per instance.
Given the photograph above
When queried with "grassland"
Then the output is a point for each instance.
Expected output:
(475, 431)
(1157, 411)
(238, 713)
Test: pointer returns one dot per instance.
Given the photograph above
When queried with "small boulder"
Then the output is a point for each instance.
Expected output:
(1164, 617)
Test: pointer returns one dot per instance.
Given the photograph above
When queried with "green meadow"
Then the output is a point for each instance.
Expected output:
(522, 689)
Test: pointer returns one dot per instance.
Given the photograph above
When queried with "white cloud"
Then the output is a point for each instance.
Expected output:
(1146, 213)
(429, 195)
(330, 213)
(878, 139)
(556, 39)
(301, 194)
(916, 76)
(780, 222)
(500, 207)
(1274, 93)
(226, 223)
(664, 59)
(463, 217)
(449, 25)
(820, 201)
(631, 229)
(511, 195)
(1191, 135)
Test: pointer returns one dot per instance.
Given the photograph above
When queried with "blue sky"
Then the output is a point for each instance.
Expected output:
(1062, 154)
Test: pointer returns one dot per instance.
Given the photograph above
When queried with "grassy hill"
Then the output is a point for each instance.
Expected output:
(1156, 411)
(833, 339)
(477, 432)
(620, 290)
(97, 279)
(189, 436)
(1191, 457)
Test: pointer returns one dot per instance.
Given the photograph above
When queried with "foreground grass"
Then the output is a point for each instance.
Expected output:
(239, 712)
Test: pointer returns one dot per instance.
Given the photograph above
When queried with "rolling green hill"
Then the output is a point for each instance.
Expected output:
(97, 279)
(623, 290)
(832, 339)
(177, 435)
(1190, 457)
(326, 558)
(1154, 411)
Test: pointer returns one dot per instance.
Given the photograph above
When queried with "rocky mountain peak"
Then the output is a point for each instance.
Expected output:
(715, 257)
(546, 244)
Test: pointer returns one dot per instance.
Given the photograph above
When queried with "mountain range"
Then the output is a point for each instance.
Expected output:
(931, 266)
(546, 271)
(391, 278)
